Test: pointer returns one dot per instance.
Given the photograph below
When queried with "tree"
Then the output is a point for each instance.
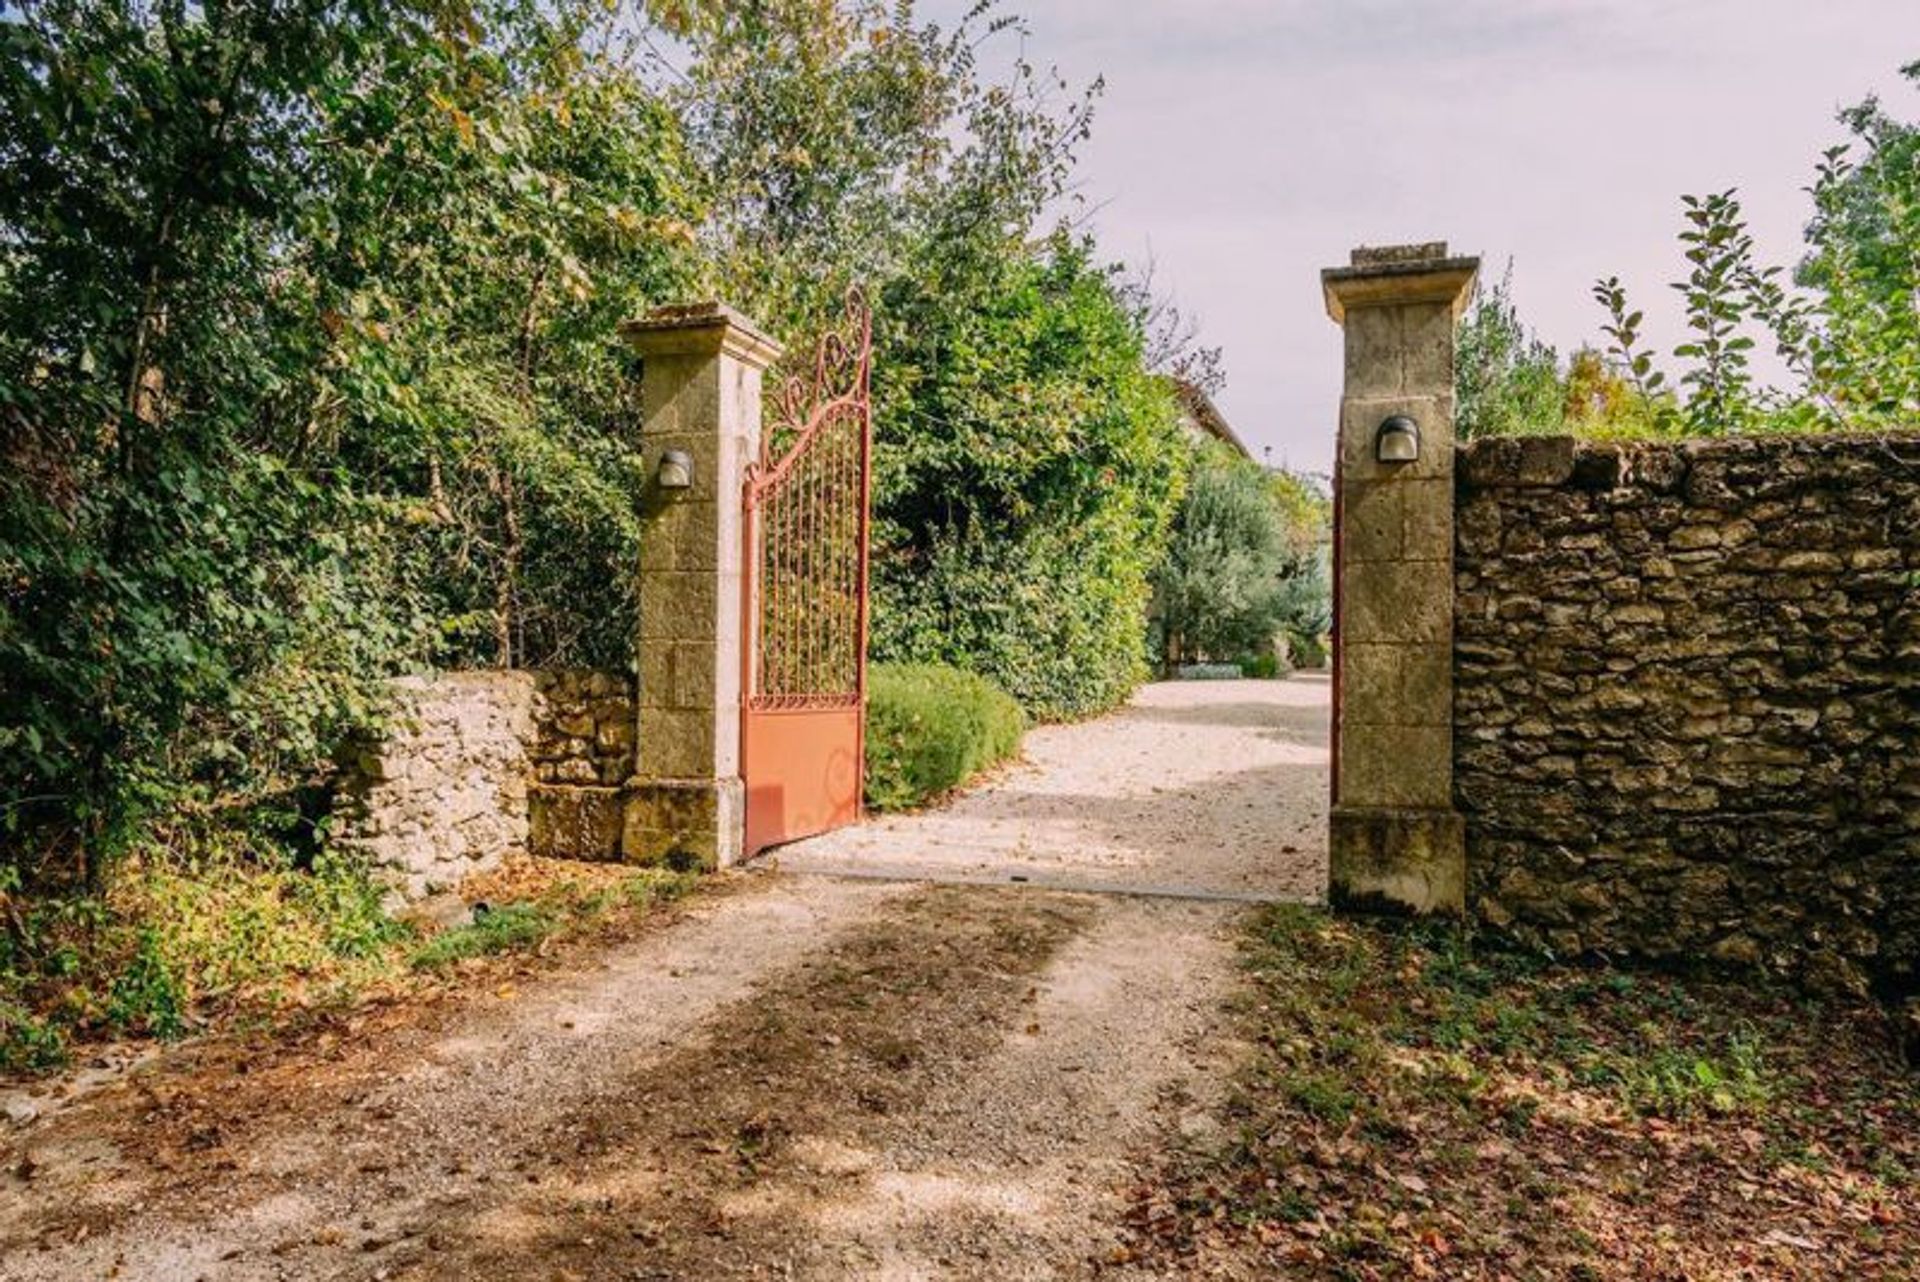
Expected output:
(1306, 511)
(304, 378)
(307, 373)
(1027, 468)
(1025, 463)
(1862, 355)
(1849, 333)
(1221, 591)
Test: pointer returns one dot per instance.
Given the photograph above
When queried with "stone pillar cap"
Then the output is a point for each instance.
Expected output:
(1395, 275)
(708, 328)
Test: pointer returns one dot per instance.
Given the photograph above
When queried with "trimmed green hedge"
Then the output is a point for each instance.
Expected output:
(930, 728)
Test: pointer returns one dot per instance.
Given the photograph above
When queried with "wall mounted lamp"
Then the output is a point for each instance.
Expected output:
(1398, 440)
(675, 471)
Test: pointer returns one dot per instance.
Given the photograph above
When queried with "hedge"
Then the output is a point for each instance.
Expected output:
(930, 728)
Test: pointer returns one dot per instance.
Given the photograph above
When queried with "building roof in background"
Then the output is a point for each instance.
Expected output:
(1201, 413)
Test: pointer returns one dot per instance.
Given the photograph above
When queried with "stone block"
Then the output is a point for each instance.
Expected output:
(1518, 461)
(1375, 353)
(1398, 602)
(1427, 335)
(1390, 684)
(1399, 862)
(680, 606)
(1426, 683)
(678, 743)
(1369, 679)
(1426, 511)
(683, 538)
(576, 822)
(1396, 766)
(692, 823)
(1372, 522)
(678, 675)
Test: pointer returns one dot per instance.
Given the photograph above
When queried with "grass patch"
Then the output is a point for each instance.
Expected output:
(513, 928)
(930, 728)
(544, 901)
(1420, 1103)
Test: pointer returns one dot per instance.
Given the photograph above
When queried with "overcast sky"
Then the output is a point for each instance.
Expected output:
(1245, 144)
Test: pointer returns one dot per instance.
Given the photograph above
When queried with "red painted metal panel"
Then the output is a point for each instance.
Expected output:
(804, 662)
(803, 773)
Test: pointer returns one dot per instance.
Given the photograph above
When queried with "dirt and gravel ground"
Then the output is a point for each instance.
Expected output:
(790, 1077)
(1211, 788)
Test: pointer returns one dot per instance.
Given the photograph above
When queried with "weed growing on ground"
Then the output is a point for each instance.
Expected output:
(177, 945)
(511, 928)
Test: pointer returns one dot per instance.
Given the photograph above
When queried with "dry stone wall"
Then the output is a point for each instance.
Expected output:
(586, 728)
(1687, 698)
(478, 766)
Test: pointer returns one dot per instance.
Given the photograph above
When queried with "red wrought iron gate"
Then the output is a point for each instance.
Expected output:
(807, 515)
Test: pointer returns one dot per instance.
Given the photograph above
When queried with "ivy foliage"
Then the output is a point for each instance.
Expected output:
(304, 379)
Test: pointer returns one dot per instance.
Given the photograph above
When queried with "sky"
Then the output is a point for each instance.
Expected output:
(1242, 145)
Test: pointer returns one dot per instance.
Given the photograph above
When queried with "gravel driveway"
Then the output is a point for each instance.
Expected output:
(790, 1077)
(1209, 788)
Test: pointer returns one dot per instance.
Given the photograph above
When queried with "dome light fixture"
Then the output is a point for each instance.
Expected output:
(1398, 440)
(675, 471)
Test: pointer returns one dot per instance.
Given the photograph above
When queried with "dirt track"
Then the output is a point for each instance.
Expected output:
(806, 1077)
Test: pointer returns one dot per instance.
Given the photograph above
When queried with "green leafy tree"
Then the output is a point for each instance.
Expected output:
(1027, 469)
(304, 377)
(1306, 568)
(1860, 347)
(1847, 330)
(307, 377)
(1603, 400)
(1222, 590)
(1025, 462)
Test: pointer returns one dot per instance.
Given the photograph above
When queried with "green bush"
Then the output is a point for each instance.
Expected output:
(930, 728)
(1308, 652)
(1263, 667)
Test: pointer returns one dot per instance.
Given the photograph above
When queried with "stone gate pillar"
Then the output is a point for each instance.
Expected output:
(1396, 841)
(700, 425)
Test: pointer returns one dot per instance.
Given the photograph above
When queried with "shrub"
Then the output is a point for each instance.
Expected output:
(1222, 588)
(1308, 651)
(1263, 667)
(930, 728)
